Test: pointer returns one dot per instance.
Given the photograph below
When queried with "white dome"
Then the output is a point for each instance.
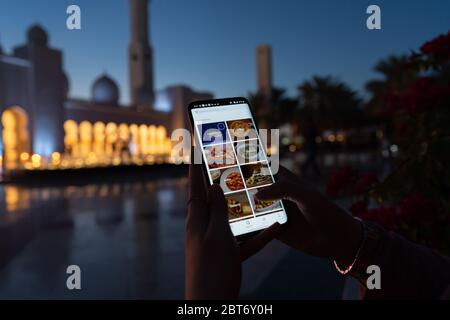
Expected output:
(105, 91)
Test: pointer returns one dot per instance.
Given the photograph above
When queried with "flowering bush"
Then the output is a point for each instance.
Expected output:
(438, 49)
(414, 199)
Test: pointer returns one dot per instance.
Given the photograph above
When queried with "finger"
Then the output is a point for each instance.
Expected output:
(197, 219)
(283, 172)
(281, 189)
(197, 188)
(253, 245)
(286, 174)
(218, 210)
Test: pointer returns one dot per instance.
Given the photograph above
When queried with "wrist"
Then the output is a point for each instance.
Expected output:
(351, 240)
(367, 253)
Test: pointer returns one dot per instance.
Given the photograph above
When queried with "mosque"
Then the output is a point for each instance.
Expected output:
(42, 127)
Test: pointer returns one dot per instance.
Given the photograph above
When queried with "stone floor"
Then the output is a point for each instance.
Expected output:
(127, 238)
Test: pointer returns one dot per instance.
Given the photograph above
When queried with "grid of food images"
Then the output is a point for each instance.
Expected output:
(237, 162)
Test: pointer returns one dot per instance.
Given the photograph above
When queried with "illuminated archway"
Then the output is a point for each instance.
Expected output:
(111, 139)
(71, 138)
(161, 134)
(85, 138)
(123, 142)
(152, 139)
(99, 138)
(16, 143)
(134, 141)
(143, 139)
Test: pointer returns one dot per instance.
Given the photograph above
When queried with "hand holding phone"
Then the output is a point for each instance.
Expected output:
(212, 255)
(235, 158)
(317, 225)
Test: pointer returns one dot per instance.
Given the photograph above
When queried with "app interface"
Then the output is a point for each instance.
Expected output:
(237, 161)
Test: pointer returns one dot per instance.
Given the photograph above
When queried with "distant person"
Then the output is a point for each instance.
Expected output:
(316, 226)
(310, 133)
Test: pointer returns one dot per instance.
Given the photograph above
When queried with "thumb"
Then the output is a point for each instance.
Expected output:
(255, 244)
(218, 209)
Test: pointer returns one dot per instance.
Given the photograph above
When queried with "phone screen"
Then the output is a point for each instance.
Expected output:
(235, 158)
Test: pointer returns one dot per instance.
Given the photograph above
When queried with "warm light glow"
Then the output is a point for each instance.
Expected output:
(111, 138)
(24, 156)
(56, 156)
(15, 137)
(143, 139)
(11, 198)
(99, 138)
(36, 160)
(71, 138)
(272, 150)
(85, 138)
(87, 144)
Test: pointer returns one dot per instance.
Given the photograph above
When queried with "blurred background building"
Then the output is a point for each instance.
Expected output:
(264, 78)
(42, 127)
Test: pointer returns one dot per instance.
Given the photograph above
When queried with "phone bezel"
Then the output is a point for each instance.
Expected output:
(222, 102)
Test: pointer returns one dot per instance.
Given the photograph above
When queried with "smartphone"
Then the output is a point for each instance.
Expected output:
(235, 158)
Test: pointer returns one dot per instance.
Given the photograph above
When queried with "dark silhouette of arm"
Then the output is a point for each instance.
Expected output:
(408, 270)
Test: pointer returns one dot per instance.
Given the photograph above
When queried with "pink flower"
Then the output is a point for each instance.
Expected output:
(419, 209)
(423, 95)
(341, 181)
(438, 48)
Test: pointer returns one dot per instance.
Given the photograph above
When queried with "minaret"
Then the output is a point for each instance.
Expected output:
(264, 78)
(264, 69)
(140, 56)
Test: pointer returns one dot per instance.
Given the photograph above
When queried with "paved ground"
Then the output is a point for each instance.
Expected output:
(127, 237)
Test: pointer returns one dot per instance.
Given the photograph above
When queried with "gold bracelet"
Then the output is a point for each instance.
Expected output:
(350, 267)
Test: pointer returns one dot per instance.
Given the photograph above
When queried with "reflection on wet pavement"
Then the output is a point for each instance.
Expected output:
(127, 238)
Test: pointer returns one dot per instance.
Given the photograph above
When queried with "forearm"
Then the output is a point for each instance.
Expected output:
(408, 270)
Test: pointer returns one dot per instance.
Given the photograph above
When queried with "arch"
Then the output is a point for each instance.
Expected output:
(85, 138)
(161, 133)
(143, 139)
(123, 142)
(134, 143)
(124, 132)
(15, 136)
(111, 138)
(71, 139)
(99, 138)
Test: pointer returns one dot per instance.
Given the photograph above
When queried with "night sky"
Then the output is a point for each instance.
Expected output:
(210, 44)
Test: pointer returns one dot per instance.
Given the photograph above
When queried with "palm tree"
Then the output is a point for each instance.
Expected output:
(396, 76)
(330, 102)
(282, 108)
